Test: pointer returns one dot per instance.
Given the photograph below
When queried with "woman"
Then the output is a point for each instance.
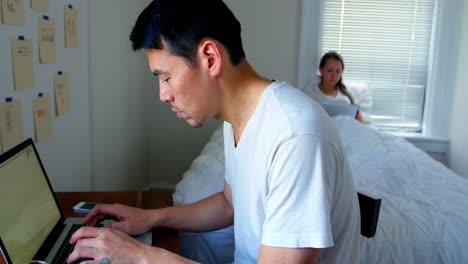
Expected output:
(331, 88)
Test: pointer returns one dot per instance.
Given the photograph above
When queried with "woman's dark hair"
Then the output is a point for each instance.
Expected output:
(340, 85)
(180, 25)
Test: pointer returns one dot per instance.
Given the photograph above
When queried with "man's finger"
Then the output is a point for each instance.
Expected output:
(84, 232)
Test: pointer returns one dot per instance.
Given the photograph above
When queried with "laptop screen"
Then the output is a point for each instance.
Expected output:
(27, 206)
(336, 109)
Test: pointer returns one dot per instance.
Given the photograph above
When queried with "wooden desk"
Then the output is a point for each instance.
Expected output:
(162, 237)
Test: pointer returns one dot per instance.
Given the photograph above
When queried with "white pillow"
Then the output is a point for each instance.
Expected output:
(362, 94)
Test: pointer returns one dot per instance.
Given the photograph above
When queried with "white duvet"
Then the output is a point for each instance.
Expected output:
(424, 210)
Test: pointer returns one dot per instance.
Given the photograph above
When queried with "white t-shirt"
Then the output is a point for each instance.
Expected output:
(291, 182)
(321, 98)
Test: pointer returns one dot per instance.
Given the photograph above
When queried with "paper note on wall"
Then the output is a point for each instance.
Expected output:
(62, 93)
(47, 48)
(11, 124)
(42, 118)
(12, 12)
(71, 27)
(1, 21)
(23, 71)
(41, 5)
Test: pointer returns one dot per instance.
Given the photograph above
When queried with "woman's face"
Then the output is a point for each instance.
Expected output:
(331, 72)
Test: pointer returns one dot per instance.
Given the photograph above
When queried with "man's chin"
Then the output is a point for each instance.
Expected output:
(194, 124)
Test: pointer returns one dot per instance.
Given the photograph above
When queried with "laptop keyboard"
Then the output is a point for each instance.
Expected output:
(67, 248)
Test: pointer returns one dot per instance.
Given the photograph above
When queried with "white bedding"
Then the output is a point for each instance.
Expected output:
(424, 210)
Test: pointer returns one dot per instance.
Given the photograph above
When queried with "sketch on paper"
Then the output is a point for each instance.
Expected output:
(12, 12)
(12, 5)
(71, 27)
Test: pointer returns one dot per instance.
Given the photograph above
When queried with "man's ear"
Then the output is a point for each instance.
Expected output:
(210, 56)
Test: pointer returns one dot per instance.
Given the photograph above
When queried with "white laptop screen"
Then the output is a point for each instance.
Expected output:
(28, 208)
(336, 109)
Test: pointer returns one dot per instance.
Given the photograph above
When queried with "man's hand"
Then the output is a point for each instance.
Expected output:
(133, 221)
(99, 243)
(118, 247)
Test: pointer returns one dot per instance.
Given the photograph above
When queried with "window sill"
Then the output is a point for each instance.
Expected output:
(437, 148)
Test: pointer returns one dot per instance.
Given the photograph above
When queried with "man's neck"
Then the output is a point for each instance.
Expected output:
(242, 88)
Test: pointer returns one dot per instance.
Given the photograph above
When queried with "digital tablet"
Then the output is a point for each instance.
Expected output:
(341, 109)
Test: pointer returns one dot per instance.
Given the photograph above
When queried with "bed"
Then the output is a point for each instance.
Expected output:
(424, 209)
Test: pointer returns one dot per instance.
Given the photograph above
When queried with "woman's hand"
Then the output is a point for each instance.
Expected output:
(360, 118)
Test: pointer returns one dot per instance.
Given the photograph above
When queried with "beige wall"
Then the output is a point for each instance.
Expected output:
(270, 31)
(119, 88)
(65, 155)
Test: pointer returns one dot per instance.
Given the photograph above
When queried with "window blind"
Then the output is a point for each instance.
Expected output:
(385, 44)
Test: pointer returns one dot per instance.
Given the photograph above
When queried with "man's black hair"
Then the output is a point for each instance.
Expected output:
(182, 24)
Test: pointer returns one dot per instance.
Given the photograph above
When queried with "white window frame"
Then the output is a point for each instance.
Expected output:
(442, 72)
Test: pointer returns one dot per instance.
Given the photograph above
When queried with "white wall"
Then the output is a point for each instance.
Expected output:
(66, 154)
(119, 93)
(270, 32)
(458, 155)
(439, 97)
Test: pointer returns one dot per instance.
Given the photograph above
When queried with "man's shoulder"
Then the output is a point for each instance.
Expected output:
(289, 98)
(284, 87)
(296, 106)
(300, 114)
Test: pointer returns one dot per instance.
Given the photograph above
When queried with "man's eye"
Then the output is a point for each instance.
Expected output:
(167, 79)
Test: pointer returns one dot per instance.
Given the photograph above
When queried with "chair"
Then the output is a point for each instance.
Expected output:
(369, 209)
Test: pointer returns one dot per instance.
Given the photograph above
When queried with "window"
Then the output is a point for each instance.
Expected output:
(385, 44)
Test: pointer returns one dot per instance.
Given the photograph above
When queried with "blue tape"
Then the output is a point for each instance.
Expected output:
(70, 6)
(21, 37)
(59, 72)
(40, 94)
(8, 99)
(45, 17)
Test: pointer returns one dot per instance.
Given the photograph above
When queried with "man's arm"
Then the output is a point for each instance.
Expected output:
(209, 214)
(278, 255)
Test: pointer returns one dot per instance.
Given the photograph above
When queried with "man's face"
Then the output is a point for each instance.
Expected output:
(184, 86)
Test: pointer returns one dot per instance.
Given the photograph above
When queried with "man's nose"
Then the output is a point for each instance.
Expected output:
(165, 95)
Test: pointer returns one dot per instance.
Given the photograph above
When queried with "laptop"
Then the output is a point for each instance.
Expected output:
(32, 225)
(341, 109)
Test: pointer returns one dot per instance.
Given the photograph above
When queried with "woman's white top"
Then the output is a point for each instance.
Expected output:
(321, 98)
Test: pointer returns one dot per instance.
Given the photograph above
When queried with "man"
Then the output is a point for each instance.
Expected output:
(288, 190)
